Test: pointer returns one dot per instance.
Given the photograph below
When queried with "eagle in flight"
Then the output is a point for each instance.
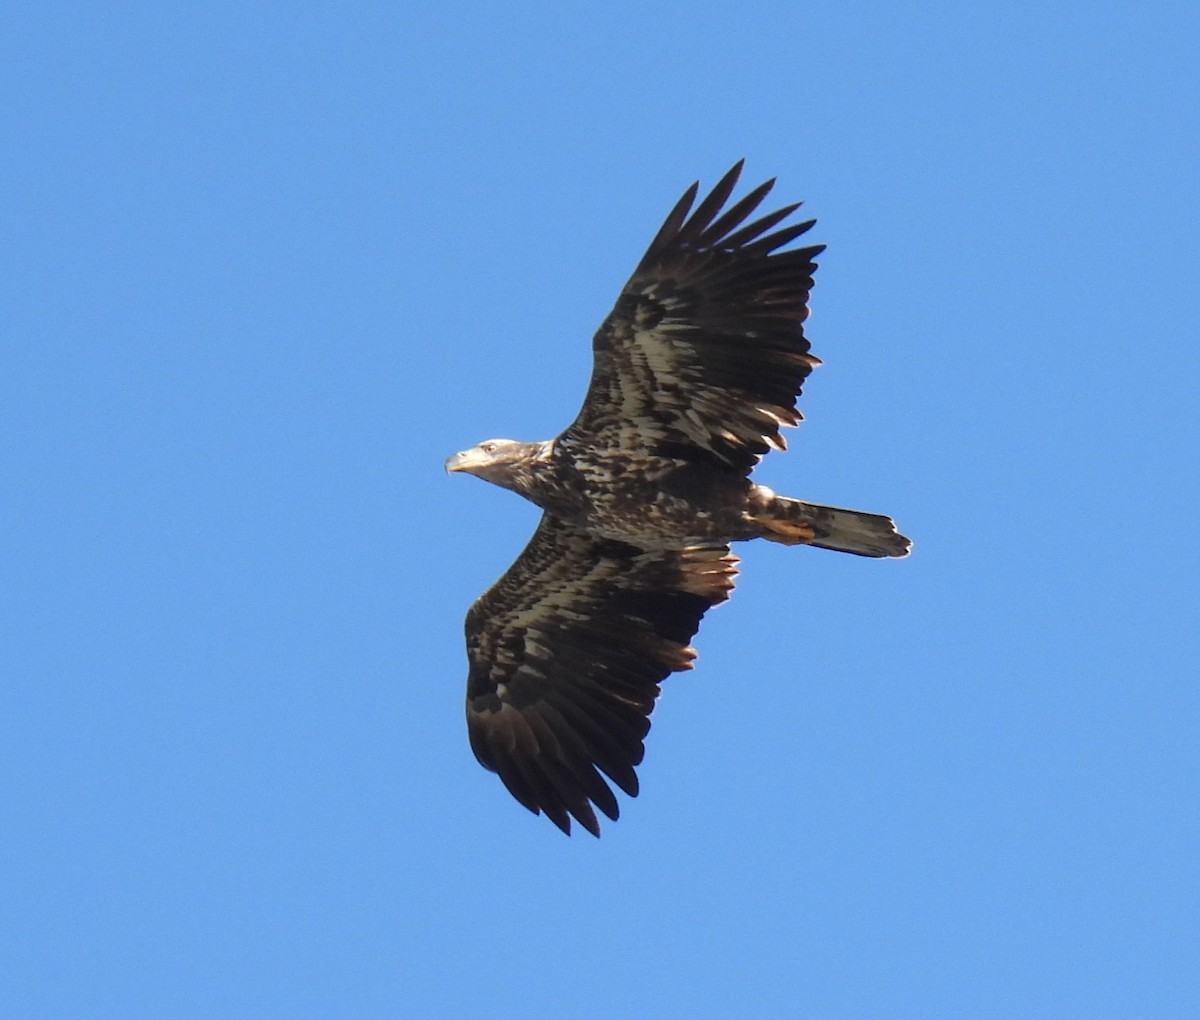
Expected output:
(695, 371)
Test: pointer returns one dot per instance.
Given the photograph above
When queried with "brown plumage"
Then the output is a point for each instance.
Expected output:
(695, 371)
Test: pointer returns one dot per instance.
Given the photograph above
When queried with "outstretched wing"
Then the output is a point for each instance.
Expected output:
(704, 353)
(566, 653)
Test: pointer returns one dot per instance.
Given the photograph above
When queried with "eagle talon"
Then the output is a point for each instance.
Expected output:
(795, 534)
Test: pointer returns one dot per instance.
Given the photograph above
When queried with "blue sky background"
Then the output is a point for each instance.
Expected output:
(266, 265)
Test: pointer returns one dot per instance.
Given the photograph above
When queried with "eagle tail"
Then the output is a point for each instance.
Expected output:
(794, 522)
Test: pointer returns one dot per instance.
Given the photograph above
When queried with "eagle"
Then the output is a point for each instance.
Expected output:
(695, 371)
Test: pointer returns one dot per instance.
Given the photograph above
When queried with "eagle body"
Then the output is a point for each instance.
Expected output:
(649, 501)
(659, 502)
(695, 371)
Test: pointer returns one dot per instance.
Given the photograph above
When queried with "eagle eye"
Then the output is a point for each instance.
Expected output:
(489, 447)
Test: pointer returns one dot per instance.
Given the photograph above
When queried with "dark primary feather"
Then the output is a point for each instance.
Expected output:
(705, 347)
(566, 653)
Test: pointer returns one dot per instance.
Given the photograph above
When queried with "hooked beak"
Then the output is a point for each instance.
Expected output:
(460, 461)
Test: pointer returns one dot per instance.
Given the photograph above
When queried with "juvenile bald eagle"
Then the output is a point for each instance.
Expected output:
(695, 371)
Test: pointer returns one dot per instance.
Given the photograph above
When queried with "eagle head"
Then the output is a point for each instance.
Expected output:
(504, 462)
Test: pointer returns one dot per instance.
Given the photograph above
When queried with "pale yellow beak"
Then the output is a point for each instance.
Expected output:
(461, 461)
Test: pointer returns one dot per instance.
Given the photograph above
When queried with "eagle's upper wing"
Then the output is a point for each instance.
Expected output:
(566, 653)
(704, 353)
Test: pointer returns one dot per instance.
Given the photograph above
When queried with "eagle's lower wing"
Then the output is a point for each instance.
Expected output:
(704, 353)
(566, 653)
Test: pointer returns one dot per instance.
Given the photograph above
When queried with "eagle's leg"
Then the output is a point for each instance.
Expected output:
(793, 522)
(779, 519)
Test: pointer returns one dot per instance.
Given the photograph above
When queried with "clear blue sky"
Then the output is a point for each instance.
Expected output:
(265, 265)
